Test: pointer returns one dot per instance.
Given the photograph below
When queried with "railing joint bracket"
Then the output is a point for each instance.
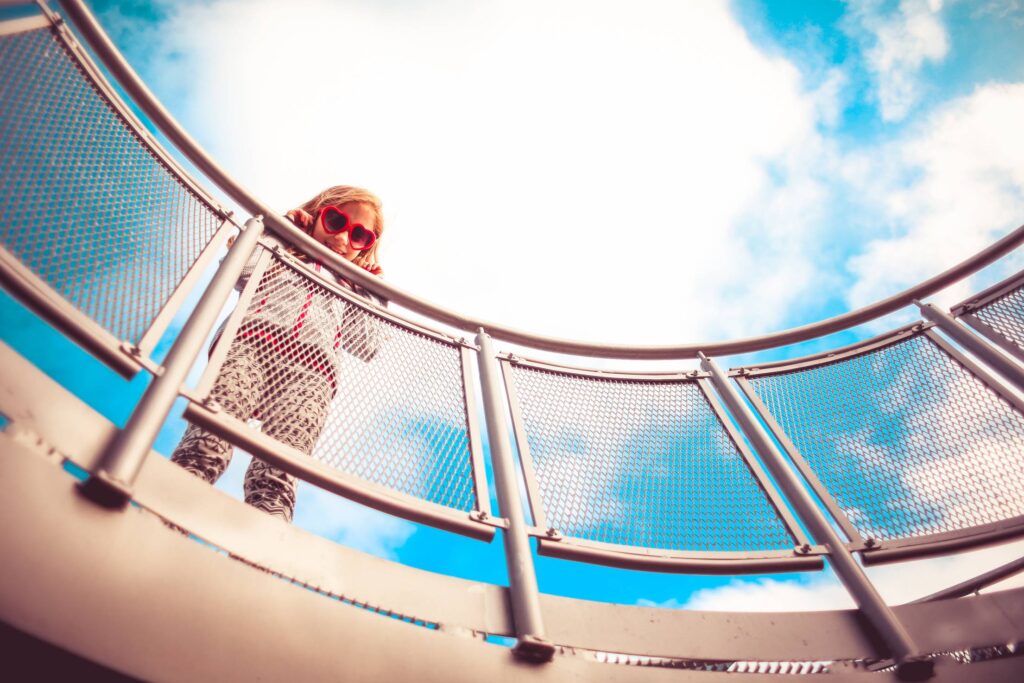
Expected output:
(915, 669)
(483, 517)
(534, 649)
(135, 353)
(106, 491)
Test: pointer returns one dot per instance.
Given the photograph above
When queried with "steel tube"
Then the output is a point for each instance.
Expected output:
(44, 301)
(977, 583)
(894, 635)
(993, 335)
(111, 483)
(988, 295)
(11, 26)
(126, 76)
(676, 563)
(310, 470)
(522, 577)
(151, 337)
(974, 344)
(945, 544)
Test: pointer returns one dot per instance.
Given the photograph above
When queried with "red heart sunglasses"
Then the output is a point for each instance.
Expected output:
(335, 221)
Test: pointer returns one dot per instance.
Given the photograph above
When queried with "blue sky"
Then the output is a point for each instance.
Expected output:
(677, 172)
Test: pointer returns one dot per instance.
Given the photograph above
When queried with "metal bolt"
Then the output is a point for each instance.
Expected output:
(802, 549)
(552, 532)
(870, 543)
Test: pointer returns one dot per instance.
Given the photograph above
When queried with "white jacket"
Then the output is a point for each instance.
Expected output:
(304, 321)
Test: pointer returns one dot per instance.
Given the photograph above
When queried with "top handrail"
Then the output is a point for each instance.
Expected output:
(115, 62)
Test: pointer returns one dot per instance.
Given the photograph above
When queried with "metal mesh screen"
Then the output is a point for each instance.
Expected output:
(83, 203)
(641, 463)
(906, 440)
(1005, 315)
(393, 400)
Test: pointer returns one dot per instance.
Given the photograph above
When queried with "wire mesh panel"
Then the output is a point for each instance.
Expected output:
(640, 462)
(1006, 316)
(905, 438)
(381, 401)
(84, 203)
(999, 314)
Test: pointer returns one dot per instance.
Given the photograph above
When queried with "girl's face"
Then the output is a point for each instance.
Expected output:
(358, 212)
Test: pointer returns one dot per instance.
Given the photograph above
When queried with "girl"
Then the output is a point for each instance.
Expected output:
(283, 362)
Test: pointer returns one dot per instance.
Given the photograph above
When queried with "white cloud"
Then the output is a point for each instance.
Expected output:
(970, 483)
(1011, 11)
(948, 191)
(330, 516)
(770, 595)
(350, 524)
(523, 150)
(897, 44)
(898, 583)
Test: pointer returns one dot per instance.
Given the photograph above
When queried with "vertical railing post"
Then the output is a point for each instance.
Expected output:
(910, 664)
(111, 484)
(522, 578)
(974, 344)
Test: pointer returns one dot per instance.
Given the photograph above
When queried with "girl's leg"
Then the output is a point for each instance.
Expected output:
(237, 389)
(294, 415)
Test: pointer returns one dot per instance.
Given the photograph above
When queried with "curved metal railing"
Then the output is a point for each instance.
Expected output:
(141, 94)
(903, 439)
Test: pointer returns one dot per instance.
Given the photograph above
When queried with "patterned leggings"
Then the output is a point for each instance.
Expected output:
(292, 401)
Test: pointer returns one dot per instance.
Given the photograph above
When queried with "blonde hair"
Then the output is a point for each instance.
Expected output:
(343, 194)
